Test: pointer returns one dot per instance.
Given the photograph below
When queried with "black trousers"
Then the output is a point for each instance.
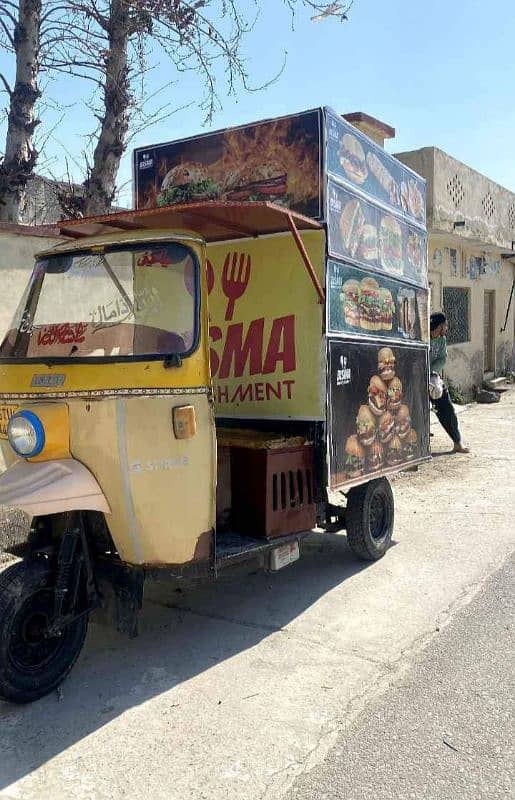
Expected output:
(447, 416)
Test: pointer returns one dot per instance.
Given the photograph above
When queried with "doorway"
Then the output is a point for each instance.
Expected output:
(489, 331)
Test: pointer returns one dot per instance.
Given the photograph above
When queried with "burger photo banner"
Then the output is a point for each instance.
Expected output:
(364, 304)
(361, 163)
(367, 235)
(378, 410)
(276, 160)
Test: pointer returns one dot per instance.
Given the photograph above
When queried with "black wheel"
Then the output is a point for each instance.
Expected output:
(33, 663)
(369, 519)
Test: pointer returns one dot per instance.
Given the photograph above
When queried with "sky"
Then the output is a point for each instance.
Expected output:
(440, 72)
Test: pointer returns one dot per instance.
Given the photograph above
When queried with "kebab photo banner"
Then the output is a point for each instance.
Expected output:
(276, 160)
(361, 303)
(371, 237)
(378, 410)
(362, 164)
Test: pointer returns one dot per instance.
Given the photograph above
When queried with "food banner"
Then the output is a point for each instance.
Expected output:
(370, 305)
(360, 232)
(265, 328)
(378, 410)
(276, 160)
(358, 161)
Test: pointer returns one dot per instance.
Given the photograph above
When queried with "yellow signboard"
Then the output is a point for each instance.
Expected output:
(266, 328)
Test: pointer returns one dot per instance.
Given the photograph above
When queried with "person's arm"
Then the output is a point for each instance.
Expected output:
(439, 359)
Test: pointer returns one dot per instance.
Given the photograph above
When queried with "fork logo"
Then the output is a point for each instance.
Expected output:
(235, 279)
(343, 374)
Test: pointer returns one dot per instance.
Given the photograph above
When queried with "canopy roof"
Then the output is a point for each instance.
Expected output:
(215, 221)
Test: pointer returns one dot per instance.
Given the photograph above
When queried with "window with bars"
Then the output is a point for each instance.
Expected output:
(456, 305)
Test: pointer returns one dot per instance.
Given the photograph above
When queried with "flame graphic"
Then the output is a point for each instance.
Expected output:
(282, 149)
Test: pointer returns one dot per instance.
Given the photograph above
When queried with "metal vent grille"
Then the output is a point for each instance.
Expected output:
(456, 305)
(455, 190)
(488, 205)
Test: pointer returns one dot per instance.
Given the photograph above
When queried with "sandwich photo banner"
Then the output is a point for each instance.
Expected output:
(378, 410)
(373, 238)
(361, 303)
(276, 160)
(358, 161)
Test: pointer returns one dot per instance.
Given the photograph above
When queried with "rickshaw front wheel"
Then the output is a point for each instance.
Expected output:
(33, 662)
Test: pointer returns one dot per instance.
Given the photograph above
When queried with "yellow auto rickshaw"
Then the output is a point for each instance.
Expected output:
(177, 397)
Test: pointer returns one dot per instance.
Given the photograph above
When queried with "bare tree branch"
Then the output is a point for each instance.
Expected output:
(6, 84)
(109, 44)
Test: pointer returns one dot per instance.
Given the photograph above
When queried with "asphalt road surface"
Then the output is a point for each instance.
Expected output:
(241, 689)
(447, 731)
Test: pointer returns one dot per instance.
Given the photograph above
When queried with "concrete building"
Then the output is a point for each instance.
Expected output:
(471, 251)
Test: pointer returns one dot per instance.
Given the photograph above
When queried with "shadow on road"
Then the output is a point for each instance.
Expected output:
(183, 633)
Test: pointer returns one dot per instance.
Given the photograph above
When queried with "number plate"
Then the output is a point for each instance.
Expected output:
(6, 413)
(285, 554)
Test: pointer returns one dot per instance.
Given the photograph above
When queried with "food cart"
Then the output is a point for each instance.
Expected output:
(204, 380)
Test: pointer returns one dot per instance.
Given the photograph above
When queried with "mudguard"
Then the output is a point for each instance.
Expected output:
(51, 487)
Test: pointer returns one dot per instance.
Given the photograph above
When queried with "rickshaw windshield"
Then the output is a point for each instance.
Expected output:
(136, 300)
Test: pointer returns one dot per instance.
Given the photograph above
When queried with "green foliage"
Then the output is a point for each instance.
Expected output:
(456, 394)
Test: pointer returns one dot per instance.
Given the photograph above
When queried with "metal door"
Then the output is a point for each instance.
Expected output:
(489, 331)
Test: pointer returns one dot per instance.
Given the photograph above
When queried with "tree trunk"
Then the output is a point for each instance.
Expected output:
(100, 186)
(20, 155)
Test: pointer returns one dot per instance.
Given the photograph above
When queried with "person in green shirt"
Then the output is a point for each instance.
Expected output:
(437, 358)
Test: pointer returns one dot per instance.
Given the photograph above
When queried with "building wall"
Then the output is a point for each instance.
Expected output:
(475, 217)
(18, 247)
(17, 250)
(457, 193)
(478, 271)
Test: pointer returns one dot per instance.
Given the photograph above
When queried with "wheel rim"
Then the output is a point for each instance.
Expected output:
(30, 649)
(379, 516)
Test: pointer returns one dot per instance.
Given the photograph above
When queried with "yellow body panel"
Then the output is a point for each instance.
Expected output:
(17, 380)
(161, 490)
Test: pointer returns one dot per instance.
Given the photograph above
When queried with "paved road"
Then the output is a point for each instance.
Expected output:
(237, 689)
(448, 730)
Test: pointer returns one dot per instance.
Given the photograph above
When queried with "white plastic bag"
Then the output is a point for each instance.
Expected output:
(436, 386)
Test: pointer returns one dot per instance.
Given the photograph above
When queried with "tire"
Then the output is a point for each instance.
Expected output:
(31, 665)
(370, 519)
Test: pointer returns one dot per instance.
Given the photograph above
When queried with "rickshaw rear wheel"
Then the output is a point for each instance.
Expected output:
(33, 662)
(370, 518)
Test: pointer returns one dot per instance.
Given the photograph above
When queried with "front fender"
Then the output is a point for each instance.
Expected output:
(51, 487)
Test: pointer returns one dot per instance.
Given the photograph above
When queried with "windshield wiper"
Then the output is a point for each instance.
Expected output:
(117, 283)
(172, 360)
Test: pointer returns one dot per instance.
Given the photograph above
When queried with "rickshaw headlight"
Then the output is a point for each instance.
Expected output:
(26, 434)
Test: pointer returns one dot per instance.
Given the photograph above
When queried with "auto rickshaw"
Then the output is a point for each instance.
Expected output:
(176, 398)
